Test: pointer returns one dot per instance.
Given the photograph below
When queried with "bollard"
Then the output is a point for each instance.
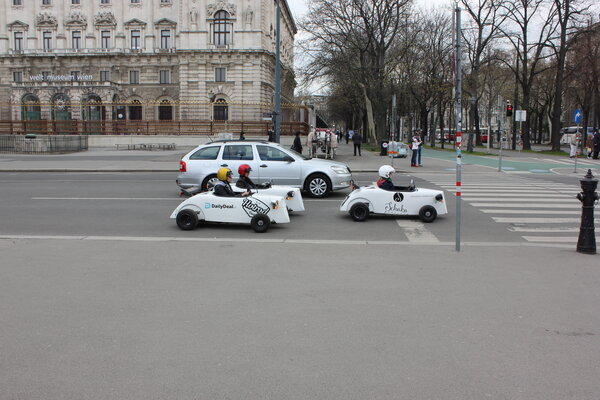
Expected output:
(587, 237)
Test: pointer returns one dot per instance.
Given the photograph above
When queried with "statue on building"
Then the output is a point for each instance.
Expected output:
(193, 16)
(249, 15)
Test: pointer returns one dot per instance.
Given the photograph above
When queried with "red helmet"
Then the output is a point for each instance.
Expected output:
(243, 169)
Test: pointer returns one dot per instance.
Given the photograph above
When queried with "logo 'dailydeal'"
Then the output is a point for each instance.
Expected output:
(219, 206)
(254, 206)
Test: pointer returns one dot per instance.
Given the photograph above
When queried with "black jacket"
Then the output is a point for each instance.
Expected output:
(223, 189)
(245, 182)
(385, 184)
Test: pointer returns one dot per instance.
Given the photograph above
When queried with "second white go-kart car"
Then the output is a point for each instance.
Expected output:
(404, 200)
(259, 210)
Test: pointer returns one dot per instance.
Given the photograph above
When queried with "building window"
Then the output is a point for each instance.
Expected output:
(165, 76)
(75, 75)
(75, 2)
(18, 76)
(136, 40)
(76, 39)
(165, 39)
(105, 39)
(221, 28)
(46, 2)
(104, 1)
(17, 2)
(47, 40)
(18, 41)
(45, 75)
(220, 74)
(165, 1)
(135, 1)
(221, 110)
(134, 77)
(104, 76)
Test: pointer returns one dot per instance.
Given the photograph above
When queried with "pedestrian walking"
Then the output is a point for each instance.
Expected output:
(596, 145)
(271, 133)
(242, 137)
(574, 143)
(297, 145)
(357, 139)
(420, 148)
(347, 136)
(415, 151)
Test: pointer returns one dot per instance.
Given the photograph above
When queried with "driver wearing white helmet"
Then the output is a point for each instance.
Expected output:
(385, 177)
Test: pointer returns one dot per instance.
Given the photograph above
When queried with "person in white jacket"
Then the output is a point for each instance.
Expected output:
(574, 143)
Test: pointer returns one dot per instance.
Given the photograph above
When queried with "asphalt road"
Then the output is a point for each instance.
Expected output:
(103, 297)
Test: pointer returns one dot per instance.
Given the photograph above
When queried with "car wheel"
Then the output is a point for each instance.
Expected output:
(209, 182)
(317, 185)
(187, 220)
(427, 213)
(359, 212)
(260, 223)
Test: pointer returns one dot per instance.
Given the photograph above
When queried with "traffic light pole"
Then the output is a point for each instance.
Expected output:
(458, 112)
(500, 134)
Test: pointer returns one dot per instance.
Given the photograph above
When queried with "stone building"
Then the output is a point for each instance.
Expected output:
(139, 60)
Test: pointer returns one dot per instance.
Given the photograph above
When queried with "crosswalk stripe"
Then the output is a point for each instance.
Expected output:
(550, 239)
(526, 205)
(513, 199)
(557, 161)
(547, 212)
(521, 220)
(415, 231)
(542, 230)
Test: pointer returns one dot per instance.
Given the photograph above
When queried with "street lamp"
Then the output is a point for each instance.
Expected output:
(277, 113)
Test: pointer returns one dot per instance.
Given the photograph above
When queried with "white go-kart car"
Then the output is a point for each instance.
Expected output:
(403, 201)
(259, 210)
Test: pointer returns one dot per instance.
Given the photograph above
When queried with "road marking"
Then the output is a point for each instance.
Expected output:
(321, 242)
(558, 161)
(542, 230)
(415, 231)
(527, 205)
(560, 212)
(521, 220)
(553, 239)
(536, 195)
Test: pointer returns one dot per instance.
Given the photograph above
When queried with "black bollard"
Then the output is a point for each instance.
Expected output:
(587, 237)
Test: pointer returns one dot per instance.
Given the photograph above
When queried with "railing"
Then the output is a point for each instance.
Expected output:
(145, 127)
(34, 144)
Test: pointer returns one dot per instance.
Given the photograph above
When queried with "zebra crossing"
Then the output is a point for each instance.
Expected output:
(539, 211)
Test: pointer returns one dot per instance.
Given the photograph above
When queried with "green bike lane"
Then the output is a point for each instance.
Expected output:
(511, 161)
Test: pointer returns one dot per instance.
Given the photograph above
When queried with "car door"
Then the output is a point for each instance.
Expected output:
(236, 154)
(277, 165)
(390, 202)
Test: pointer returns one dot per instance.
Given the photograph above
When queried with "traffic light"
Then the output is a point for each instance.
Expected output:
(509, 109)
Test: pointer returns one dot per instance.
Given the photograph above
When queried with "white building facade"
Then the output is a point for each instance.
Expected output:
(141, 59)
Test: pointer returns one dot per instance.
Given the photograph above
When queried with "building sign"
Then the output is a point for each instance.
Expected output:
(60, 78)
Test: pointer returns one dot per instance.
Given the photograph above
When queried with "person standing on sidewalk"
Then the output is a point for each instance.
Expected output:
(596, 145)
(415, 150)
(420, 148)
(573, 142)
(357, 139)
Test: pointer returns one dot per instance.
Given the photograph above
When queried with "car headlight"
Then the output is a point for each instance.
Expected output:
(340, 170)
(275, 204)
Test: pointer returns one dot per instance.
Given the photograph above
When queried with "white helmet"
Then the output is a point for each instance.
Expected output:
(385, 171)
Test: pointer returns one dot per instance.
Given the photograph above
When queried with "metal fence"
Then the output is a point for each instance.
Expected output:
(34, 144)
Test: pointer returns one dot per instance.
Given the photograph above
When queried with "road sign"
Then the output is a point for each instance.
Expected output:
(577, 116)
(521, 115)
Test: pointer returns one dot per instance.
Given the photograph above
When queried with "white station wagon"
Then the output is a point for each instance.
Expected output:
(270, 162)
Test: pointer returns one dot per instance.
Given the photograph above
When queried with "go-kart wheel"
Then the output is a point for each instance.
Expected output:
(260, 223)
(317, 185)
(427, 213)
(187, 220)
(209, 182)
(359, 212)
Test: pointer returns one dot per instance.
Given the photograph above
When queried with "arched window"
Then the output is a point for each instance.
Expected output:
(165, 111)
(30, 108)
(135, 110)
(61, 107)
(222, 29)
(221, 110)
(93, 110)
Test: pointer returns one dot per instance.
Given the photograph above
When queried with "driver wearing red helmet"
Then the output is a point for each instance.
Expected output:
(244, 180)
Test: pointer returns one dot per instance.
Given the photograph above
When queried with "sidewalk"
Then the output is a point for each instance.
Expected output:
(112, 160)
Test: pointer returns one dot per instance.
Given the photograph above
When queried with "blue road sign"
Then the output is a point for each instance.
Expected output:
(577, 116)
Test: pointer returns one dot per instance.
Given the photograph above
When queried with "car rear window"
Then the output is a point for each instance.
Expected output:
(238, 152)
(206, 153)
(268, 153)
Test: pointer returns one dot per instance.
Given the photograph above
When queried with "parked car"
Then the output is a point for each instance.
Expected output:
(572, 130)
(270, 162)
